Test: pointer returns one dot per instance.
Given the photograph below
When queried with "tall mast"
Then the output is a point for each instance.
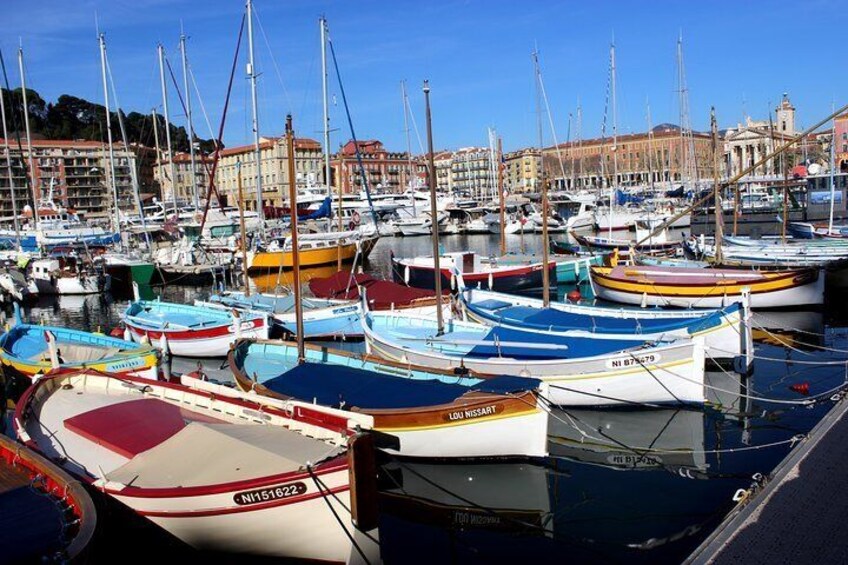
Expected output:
(437, 272)
(408, 146)
(688, 166)
(193, 175)
(9, 167)
(832, 167)
(29, 139)
(650, 144)
(242, 230)
(117, 218)
(167, 127)
(251, 73)
(326, 101)
(501, 196)
(719, 218)
(614, 138)
(295, 251)
(579, 136)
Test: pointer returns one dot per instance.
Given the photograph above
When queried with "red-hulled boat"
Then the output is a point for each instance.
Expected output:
(382, 294)
(45, 515)
(418, 272)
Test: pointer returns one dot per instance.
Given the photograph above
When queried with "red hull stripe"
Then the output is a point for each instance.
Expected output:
(188, 335)
(237, 509)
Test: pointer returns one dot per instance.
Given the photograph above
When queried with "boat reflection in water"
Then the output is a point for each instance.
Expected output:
(431, 513)
(271, 280)
(629, 439)
(789, 328)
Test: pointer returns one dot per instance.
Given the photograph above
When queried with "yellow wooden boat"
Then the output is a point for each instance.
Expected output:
(706, 288)
(314, 252)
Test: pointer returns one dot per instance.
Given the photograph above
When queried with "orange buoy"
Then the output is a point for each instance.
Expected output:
(800, 388)
(574, 296)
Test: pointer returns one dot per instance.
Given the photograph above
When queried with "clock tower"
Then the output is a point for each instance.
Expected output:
(785, 116)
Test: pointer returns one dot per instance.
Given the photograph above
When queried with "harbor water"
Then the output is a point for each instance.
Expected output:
(620, 485)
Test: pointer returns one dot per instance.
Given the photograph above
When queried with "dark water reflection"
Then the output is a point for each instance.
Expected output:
(620, 485)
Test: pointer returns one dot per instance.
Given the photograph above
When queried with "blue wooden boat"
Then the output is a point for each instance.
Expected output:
(432, 413)
(726, 332)
(35, 349)
(581, 371)
(322, 318)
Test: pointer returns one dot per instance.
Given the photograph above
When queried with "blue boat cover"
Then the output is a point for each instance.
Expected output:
(558, 320)
(517, 344)
(332, 385)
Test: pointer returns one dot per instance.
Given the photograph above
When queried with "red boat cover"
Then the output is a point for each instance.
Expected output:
(381, 294)
(129, 428)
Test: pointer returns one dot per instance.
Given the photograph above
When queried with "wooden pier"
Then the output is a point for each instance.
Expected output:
(798, 516)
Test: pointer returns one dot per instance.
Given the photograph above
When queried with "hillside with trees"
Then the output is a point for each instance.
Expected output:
(75, 118)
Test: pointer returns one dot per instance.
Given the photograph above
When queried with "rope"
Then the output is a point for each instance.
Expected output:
(788, 345)
(335, 514)
(796, 361)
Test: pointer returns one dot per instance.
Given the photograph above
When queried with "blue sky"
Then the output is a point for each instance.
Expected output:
(739, 55)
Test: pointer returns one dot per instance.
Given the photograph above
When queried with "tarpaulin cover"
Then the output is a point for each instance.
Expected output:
(339, 386)
(381, 294)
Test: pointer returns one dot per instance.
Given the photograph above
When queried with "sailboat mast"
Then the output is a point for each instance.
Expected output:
(614, 139)
(29, 139)
(193, 175)
(650, 145)
(408, 145)
(502, 196)
(169, 150)
(437, 272)
(546, 290)
(325, 95)
(117, 218)
(295, 251)
(251, 73)
(719, 219)
(832, 184)
(243, 231)
(9, 167)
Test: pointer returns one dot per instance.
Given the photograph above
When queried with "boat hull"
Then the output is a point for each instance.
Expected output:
(666, 374)
(784, 289)
(517, 279)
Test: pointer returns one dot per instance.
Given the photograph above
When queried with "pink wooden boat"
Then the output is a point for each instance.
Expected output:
(220, 473)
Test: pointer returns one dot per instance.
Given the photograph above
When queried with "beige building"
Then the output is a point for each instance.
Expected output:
(472, 173)
(308, 164)
(523, 171)
(661, 155)
(182, 170)
(77, 172)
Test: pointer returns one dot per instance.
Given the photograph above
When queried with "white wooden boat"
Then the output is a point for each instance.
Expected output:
(726, 332)
(322, 318)
(219, 473)
(67, 275)
(579, 371)
(683, 287)
(191, 331)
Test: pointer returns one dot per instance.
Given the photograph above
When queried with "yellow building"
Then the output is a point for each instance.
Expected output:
(308, 164)
(523, 171)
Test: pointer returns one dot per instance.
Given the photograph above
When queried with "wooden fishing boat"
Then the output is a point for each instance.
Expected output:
(191, 331)
(432, 413)
(315, 251)
(580, 371)
(569, 268)
(726, 332)
(47, 516)
(322, 318)
(419, 272)
(34, 349)
(623, 245)
(219, 473)
(707, 288)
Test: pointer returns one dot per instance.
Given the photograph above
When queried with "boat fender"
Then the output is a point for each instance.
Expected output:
(119, 332)
(644, 303)
(574, 296)
(490, 281)
(461, 371)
